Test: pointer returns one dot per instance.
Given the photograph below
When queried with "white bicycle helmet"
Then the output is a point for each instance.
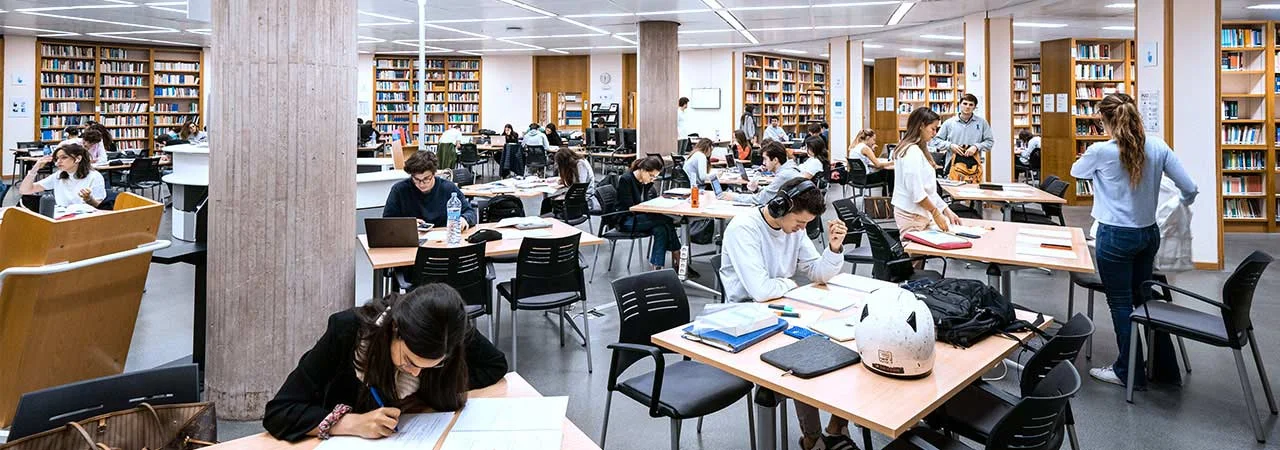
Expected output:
(895, 334)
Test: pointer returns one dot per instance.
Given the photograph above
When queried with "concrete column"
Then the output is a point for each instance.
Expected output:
(988, 63)
(838, 87)
(658, 87)
(282, 189)
(855, 86)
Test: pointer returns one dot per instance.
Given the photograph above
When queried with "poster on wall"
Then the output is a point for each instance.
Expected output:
(19, 79)
(1062, 103)
(879, 104)
(1149, 108)
(20, 107)
(1048, 103)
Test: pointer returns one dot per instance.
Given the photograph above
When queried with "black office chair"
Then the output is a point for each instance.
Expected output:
(572, 208)
(653, 302)
(1034, 422)
(858, 179)
(548, 277)
(463, 176)
(463, 268)
(501, 207)
(609, 223)
(1232, 327)
(892, 263)
(54, 407)
(847, 212)
(469, 156)
(663, 179)
(627, 140)
(1092, 283)
(975, 411)
(536, 159)
(143, 174)
(1049, 213)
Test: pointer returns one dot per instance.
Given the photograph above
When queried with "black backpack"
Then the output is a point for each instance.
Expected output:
(502, 207)
(966, 311)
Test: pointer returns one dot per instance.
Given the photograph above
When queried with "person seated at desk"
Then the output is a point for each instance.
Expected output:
(425, 196)
(74, 183)
(71, 134)
(534, 136)
(819, 160)
(636, 187)
(453, 136)
(775, 132)
(411, 353)
(573, 168)
(553, 136)
(192, 133)
(864, 149)
(510, 134)
(368, 134)
(776, 160)
(1027, 141)
(91, 140)
(741, 145)
(698, 167)
(764, 250)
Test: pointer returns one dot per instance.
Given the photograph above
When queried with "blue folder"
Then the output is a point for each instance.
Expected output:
(731, 343)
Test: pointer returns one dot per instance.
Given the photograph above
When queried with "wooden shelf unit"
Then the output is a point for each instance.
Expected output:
(1247, 125)
(127, 88)
(792, 90)
(1083, 70)
(913, 83)
(452, 95)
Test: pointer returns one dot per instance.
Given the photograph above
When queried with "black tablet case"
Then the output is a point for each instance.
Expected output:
(811, 356)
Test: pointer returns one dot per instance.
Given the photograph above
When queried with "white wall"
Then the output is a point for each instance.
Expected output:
(1195, 108)
(606, 68)
(841, 110)
(1150, 31)
(710, 68)
(1000, 97)
(20, 59)
(507, 83)
(364, 86)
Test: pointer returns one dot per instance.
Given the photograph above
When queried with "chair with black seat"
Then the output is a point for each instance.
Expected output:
(1033, 423)
(1031, 168)
(663, 180)
(144, 174)
(464, 268)
(609, 227)
(572, 208)
(1092, 283)
(536, 159)
(463, 176)
(469, 156)
(653, 302)
(1231, 327)
(1049, 213)
(858, 180)
(548, 277)
(54, 407)
(847, 212)
(892, 263)
(501, 207)
(974, 411)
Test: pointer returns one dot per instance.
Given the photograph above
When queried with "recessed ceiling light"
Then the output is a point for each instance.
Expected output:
(675, 11)
(184, 44)
(587, 16)
(204, 31)
(455, 30)
(575, 48)
(583, 25)
(841, 5)
(866, 45)
(613, 47)
(369, 40)
(942, 37)
(86, 19)
(868, 60)
(466, 52)
(900, 13)
(1038, 25)
(495, 19)
(834, 27)
(750, 37)
(562, 52)
(398, 20)
(1021, 42)
(116, 33)
(52, 33)
(526, 6)
(1123, 5)
(731, 20)
(509, 41)
(414, 43)
(66, 8)
(954, 53)
(792, 52)
(1265, 6)
(916, 50)
(718, 44)
(784, 28)
(507, 50)
(414, 52)
(1119, 28)
(620, 38)
(456, 39)
(685, 32)
(166, 8)
(546, 36)
(825, 55)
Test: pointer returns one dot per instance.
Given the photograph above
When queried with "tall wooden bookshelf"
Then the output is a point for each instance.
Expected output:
(452, 95)
(791, 90)
(1081, 71)
(1036, 98)
(135, 92)
(1248, 123)
(1021, 98)
(903, 84)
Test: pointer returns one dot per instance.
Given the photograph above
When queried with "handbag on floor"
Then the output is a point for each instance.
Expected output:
(167, 427)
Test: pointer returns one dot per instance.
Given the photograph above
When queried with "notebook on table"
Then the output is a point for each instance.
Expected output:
(937, 239)
(734, 344)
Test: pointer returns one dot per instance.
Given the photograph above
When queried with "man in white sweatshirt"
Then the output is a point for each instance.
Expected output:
(762, 251)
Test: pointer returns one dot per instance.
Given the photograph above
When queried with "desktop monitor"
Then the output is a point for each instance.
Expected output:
(628, 140)
(597, 137)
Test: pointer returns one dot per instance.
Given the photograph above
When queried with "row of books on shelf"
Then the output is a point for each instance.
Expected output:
(124, 80)
(1243, 37)
(127, 133)
(392, 74)
(1092, 71)
(70, 51)
(1093, 51)
(464, 75)
(1242, 184)
(1096, 91)
(1085, 108)
(392, 86)
(1089, 129)
(110, 121)
(1020, 85)
(173, 107)
(1239, 61)
(942, 108)
(120, 94)
(1231, 109)
(177, 79)
(66, 78)
(1020, 71)
(71, 65)
(121, 53)
(127, 107)
(1242, 208)
(941, 83)
(911, 96)
(66, 92)
(1235, 134)
(126, 67)
(177, 92)
(464, 118)
(177, 66)
(941, 96)
(61, 122)
(911, 81)
(467, 86)
(173, 120)
(1244, 160)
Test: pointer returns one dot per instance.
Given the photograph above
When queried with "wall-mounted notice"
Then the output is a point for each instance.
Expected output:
(1149, 108)
(879, 103)
(1062, 103)
(1048, 103)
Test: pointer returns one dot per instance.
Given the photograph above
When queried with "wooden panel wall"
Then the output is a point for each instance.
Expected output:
(629, 91)
(884, 84)
(556, 74)
(1057, 76)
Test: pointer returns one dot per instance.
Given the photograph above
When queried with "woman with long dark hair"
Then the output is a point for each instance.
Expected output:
(73, 183)
(741, 145)
(572, 169)
(509, 132)
(698, 166)
(916, 203)
(864, 149)
(1126, 173)
(636, 187)
(819, 157)
(413, 352)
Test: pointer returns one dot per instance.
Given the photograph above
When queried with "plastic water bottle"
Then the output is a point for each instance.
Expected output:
(683, 270)
(454, 210)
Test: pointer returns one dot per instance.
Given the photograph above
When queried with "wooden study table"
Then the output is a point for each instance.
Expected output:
(1012, 193)
(511, 386)
(888, 406)
(998, 247)
(385, 259)
(708, 207)
(508, 187)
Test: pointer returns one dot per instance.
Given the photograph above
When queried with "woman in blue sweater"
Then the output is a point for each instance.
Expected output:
(1126, 172)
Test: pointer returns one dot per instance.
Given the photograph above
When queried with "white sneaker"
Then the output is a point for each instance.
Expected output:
(1106, 375)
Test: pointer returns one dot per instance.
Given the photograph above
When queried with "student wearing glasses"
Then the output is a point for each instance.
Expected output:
(410, 353)
(424, 195)
(73, 183)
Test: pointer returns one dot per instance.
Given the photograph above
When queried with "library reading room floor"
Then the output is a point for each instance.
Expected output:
(1206, 412)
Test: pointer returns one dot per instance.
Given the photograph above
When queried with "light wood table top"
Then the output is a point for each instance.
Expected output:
(999, 245)
(707, 207)
(1012, 193)
(497, 188)
(386, 258)
(512, 386)
(889, 406)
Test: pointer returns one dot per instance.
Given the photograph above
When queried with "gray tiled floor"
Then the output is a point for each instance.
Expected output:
(1204, 413)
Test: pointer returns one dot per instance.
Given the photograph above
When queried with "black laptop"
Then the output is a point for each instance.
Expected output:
(386, 232)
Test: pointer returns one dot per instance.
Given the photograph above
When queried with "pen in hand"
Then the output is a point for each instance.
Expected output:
(378, 398)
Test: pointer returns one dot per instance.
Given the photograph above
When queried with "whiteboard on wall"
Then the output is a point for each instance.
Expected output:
(704, 98)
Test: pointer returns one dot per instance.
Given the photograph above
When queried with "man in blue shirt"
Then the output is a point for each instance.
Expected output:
(424, 196)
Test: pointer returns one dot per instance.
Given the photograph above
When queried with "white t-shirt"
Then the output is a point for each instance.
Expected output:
(696, 168)
(682, 123)
(759, 260)
(914, 179)
(811, 166)
(452, 136)
(866, 162)
(66, 192)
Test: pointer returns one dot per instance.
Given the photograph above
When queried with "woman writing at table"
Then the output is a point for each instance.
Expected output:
(916, 203)
(636, 187)
(414, 352)
(73, 183)
(698, 166)
(572, 169)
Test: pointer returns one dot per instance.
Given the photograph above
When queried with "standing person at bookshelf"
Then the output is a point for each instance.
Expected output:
(916, 203)
(775, 132)
(698, 166)
(764, 250)
(682, 118)
(965, 138)
(864, 149)
(747, 123)
(1126, 173)
(636, 187)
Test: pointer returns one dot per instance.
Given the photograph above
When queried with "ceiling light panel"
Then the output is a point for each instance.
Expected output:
(1123, 5)
(1038, 25)
(583, 25)
(900, 13)
(942, 37)
(455, 30)
(86, 19)
(915, 50)
(528, 7)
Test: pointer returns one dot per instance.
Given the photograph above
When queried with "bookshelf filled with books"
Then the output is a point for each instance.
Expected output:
(910, 83)
(1247, 126)
(452, 96)
(791, 90)
(176, 84)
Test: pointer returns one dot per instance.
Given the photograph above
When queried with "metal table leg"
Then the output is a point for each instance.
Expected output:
(866, 438)
(684, 231)
(379, 283)
(766, 426)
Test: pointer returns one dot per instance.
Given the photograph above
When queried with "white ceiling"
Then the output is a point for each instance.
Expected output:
(609, 26)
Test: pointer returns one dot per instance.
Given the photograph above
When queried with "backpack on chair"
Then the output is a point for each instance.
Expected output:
(502, 207)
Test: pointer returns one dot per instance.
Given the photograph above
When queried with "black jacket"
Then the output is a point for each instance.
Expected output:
(326, 376)
(631, 192)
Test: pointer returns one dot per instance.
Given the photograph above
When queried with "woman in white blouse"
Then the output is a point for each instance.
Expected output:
(916, 202)
(698, 166)
(74, 183)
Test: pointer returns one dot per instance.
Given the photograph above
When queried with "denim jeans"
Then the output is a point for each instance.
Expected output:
(665, 237)
(1126, 258)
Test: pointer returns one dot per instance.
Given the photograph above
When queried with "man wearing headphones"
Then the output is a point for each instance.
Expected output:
(763, 251)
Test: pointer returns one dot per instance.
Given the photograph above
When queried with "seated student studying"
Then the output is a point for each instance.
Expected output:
(572, 169)
(777, 160)
(424, 196)
(763, 251)
(698, 166)
(864, 149)
(77, 188)
(636, 187)
(409, 353)
(819, 158)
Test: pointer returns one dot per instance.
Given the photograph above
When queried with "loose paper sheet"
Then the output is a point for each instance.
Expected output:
(417, 431)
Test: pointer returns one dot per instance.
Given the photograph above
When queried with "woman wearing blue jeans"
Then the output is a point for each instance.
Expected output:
(634, 188)
(1126, 173)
